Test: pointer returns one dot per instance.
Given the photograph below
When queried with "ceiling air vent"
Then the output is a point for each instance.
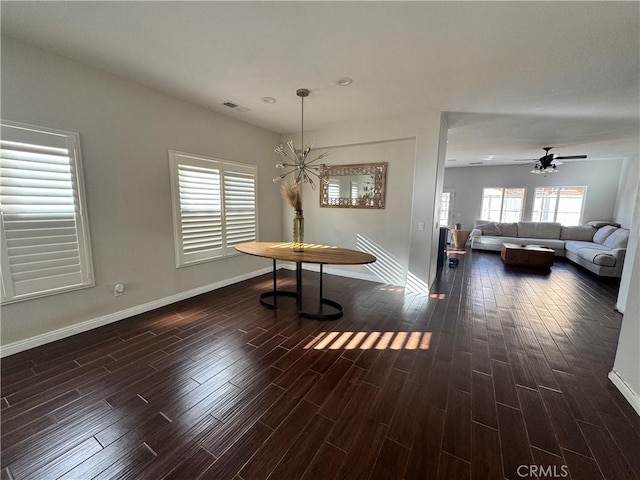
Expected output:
(235, 106)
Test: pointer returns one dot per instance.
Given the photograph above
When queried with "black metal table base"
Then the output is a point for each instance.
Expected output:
(275, 294)
(319, 315)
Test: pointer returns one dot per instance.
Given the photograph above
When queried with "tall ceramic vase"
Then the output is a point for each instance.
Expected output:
(298, 231)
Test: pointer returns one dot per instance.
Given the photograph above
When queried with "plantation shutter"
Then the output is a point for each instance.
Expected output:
(240, 205)
(201, 212)
(45, 247)
(214, 204)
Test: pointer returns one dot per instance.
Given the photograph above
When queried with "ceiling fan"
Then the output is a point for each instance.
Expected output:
(548, 162)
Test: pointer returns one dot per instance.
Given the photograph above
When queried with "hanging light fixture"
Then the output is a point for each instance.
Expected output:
(540, 169)
(301, 167)
(545, 163)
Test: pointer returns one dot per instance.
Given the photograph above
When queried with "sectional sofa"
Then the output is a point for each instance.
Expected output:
(597, 246)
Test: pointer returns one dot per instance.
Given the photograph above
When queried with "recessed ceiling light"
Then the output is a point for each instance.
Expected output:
(269, 100)
(344, 81)
(476, 163)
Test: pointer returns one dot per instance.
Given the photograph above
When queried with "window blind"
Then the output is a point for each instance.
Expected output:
(44, 235)
(240, 207)
(214, 204)
(200, 209)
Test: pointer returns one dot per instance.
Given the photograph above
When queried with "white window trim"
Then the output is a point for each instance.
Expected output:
(86, 273)
(450, 210)
(225, 251)
(558, 189)
(524, 197)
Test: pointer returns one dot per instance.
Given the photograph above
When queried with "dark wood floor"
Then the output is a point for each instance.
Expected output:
(498, 373)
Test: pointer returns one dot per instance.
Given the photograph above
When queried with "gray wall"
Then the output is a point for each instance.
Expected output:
(626, 208)
(626, 368)
(410, 146)
(467, 183)
(384, 230)
(125, 131)
(627, 191)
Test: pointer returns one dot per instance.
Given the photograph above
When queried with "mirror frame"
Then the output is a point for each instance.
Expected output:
(377, 170)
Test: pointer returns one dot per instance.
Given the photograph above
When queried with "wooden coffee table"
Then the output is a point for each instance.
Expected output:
(530, 255)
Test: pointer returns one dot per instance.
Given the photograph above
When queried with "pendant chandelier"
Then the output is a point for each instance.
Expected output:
(302, 169)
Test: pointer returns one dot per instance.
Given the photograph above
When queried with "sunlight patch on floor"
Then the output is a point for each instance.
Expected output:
(438, 296)
(371, 341)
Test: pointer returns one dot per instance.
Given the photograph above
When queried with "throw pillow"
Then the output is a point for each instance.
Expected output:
(601, 223)
(490, 228)
(603, 233)
(617, 239)
(508, 229)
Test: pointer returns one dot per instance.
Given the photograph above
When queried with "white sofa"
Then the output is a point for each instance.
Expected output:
(597, 246)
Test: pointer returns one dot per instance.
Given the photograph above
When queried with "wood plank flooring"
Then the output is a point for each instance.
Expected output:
(500, 373)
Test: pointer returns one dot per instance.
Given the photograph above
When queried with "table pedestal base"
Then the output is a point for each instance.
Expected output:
(319, 315)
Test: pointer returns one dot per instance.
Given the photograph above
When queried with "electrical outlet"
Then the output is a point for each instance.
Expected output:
(118, 289)
(421, 226)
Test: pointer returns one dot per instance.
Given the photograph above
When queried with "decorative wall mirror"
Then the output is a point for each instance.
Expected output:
(353, 186)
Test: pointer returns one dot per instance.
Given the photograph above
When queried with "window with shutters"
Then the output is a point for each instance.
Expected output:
(214, 206)
(45, 235)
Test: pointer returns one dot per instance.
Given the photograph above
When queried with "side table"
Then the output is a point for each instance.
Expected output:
(460, 238)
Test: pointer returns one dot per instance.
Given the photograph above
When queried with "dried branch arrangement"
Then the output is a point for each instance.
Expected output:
(293, 195)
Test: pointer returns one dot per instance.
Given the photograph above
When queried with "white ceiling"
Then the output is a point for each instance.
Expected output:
(513, 76)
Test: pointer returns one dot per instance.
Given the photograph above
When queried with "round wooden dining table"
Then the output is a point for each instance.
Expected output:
(318, 254)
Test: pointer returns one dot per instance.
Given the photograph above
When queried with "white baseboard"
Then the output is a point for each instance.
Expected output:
(628, 393)
(87, 325)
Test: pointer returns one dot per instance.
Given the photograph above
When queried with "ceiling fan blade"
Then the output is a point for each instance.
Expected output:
(571, 157)
(526, 160)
